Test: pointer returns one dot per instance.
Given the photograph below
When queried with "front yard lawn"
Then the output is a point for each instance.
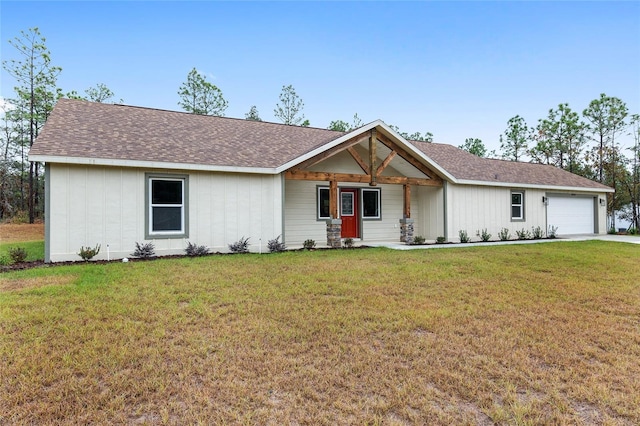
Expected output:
(527, 334)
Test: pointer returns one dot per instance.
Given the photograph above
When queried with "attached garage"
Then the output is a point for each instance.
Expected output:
(571, 214)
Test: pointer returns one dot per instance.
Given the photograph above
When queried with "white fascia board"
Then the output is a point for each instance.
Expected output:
(534, 186)
(329, 145)
(149, 164)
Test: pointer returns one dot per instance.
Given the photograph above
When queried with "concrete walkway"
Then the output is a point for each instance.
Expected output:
(633, 239)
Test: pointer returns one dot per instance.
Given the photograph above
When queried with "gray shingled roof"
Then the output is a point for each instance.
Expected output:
(117, 132)
(94, 130)
(465, 166)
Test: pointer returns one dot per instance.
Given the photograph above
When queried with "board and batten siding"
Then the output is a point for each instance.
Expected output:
(429, 206)
(89, 205)
(474, 208)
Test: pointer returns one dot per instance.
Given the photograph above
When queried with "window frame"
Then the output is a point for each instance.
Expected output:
(379, 200)
(520, 218)
(319, 216)
(150, 234)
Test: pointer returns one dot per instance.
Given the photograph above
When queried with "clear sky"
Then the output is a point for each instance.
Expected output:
(456, 69)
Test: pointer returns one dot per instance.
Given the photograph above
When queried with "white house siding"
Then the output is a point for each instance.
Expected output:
(429, 206)
(106, 206)
(474, 208)
(301, 213)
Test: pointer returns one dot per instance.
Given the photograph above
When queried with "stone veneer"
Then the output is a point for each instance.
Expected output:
(334, 229)
(406, 230)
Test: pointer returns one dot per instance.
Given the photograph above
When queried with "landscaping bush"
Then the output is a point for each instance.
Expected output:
(537, 233)
(196, 250)
(4, 260)
(18, 254)
(144, 251)
(504, 234)
(464, 237)
(441, 240)
(523, 234)
(348, 242)
(485, 235)
(88, 253)
(553, 231)
(276, 246)
(309, 244)
(419, 240)
(240, 246)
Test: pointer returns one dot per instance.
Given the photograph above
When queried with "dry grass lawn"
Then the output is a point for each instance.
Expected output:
(21, 232)
(531, 334)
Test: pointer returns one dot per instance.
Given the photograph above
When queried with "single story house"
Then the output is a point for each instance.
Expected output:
(116, 175)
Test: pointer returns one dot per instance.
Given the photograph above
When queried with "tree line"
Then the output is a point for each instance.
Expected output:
(586, 144)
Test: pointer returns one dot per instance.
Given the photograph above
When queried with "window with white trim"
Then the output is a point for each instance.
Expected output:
(323, 203)
(517, 205)
(371, 203)
(166, 206)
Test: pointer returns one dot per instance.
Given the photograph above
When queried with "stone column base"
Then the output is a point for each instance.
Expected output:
(334, 229)
(406, 231)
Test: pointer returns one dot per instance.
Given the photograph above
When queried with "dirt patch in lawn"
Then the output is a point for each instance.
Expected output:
(18, 284)
(20, 232)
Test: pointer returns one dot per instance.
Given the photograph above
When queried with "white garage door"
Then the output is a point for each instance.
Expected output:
(572, 215)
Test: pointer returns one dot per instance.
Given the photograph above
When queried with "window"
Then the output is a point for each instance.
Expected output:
(166, 206)
(517, 205)
(371, 204)
(323, 203)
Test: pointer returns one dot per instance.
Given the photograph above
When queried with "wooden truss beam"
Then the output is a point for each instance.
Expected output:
(408, 157)
(332, 151)
(297, 174)
(351, 150)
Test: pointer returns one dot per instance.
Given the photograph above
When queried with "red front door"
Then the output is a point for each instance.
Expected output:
(349, 213)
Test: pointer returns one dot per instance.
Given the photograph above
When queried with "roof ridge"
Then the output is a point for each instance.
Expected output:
(200, 115)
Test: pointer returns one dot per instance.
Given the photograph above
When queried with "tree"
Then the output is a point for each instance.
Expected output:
(560, 139)
(290, 107)
(253, 115)
(343, 126)
(606, 118)
(631, 211)
(516, 139)
(36, 95)
(474, 146)
(198, 96)
(416, 136)
(100, 93)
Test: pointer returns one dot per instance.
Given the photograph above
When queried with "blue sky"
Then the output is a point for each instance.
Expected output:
(456, 69)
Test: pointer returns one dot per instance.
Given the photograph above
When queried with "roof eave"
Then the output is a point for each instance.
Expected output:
(149, 164)
(535, 186)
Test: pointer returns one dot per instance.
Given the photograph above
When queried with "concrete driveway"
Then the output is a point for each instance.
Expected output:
(632, 239)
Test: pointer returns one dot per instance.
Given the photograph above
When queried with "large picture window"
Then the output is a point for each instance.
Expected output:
(166, 206)
(371, 204)
(517, 205)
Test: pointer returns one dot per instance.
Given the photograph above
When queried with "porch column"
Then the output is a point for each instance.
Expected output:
(406, 223)
(334, 225)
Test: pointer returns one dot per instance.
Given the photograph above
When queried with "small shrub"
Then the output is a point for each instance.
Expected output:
(537, 233)
(485, 235)
(612, 230)
(348, 242)
(464, 237)
(275, 246)
(309, 244)
(144, 251)
(196, 250)
(523, 234)
(4, 260)
(632, 231)
(240, 246)
(419, 240)
(18, 254)
(88, 253)
(553, 231)
(441, 240)
(504, 234)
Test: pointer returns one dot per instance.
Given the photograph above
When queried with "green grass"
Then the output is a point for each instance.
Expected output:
(35, 249)
(531, 334)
